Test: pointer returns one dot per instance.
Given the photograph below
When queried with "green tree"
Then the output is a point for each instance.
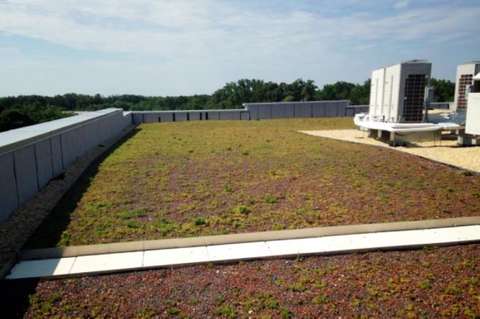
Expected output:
(360, 94)
(443, 90)
(12, 119)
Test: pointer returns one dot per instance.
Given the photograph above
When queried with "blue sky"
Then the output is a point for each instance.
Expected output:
(173, 47)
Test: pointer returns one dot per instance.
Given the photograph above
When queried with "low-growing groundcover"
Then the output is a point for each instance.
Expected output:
(215, 177)
(428, 283)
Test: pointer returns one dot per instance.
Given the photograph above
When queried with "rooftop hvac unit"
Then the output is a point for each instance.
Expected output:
(472, 125)
(465, 73)
(397, 93)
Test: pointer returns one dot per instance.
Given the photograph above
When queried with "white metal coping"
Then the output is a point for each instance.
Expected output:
(21, 137)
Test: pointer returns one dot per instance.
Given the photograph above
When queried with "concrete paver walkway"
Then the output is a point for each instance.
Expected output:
(145, 259)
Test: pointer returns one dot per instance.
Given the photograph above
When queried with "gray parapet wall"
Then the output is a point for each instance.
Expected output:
(277, 110)
(31, 156)
(256, 111)
(189, 115)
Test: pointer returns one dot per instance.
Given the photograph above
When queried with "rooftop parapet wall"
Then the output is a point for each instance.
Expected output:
(31, 156)
(255, 111)
(277, 110)
(189, 115)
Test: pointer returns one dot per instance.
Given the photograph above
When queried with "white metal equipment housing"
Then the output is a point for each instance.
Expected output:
(465, 74)
(397, 93)
(472, 125)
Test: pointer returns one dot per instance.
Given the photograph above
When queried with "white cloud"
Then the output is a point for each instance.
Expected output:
(180, 27)
(210, 41)
(401, 4)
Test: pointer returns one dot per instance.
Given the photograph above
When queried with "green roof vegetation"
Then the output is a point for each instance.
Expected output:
(203, 178)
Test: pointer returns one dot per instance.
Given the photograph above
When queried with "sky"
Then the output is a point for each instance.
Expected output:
(183, 47)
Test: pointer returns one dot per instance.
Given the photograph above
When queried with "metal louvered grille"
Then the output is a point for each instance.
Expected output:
(465, 79)
(414, 98)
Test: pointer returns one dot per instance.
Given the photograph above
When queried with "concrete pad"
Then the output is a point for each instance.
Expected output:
(107, 262)
(288, 247)
(310, 245)
(326, 244)
(42, 268)
(175, 256)
(238, 251)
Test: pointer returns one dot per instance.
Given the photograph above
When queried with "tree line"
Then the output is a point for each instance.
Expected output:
(18, 111)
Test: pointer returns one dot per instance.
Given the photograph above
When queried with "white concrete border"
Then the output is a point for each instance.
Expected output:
(107, 263)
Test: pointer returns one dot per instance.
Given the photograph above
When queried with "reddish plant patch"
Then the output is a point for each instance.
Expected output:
(429, 283)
